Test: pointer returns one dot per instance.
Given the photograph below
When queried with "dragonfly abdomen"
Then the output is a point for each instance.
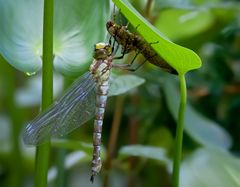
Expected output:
(101, 100)
(149, 54)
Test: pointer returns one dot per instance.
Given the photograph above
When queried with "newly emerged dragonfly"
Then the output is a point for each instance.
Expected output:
(85, 98)
(133, 42)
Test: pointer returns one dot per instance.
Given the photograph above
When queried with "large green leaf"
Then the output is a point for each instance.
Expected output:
(180, 58)
(191, 20)
(201, 129)
(188, 22)
(78, 25)
(122, 84)
(209, 168)
(149, 152)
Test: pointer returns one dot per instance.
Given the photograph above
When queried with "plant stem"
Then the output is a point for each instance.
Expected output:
(61, 172)
(148, 8)
(180, 127)
(133, 129)
(113, 137)
(42, 154)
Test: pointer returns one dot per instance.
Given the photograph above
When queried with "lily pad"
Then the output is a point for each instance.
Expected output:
(76, 30)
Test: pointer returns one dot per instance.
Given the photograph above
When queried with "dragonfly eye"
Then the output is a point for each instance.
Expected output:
(108, 50)
(109, 24)
(102, 50)
(100, 45)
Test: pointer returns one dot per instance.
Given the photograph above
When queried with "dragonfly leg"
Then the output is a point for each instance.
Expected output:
(132, 61)
(140, 51)
(154, 43)
(129, 67)
(124, 50)
(125, 67)
(113, 46)
(114, 51)
(141, 64)
(120, 57)
(110, 40)
(137, 26)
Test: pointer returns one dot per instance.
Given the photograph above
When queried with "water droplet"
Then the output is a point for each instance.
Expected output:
(30, 73)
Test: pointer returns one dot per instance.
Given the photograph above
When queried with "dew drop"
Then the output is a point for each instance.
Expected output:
(30, 73)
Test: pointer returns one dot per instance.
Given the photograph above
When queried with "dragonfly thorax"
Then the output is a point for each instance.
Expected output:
(102, 63)
(100, 69)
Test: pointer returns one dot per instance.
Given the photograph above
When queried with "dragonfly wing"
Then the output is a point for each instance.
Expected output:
(78, 113)
(50, 122)
(41, 127)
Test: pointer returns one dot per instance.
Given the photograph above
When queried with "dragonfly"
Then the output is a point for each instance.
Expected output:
(133, 42)
(86, 98)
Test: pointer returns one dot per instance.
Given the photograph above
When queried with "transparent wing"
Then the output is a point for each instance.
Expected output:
(70, 111)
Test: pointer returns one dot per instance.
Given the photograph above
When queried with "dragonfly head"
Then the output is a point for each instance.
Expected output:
(110, 26)
(113, 28)
(102, 51)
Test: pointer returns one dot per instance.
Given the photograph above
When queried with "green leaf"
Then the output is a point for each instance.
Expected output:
(188, 22)
(76, 30)
(210, 167)
(180, 58)
(124, 83)
(191, 21)
(149, 152)
(201, 129)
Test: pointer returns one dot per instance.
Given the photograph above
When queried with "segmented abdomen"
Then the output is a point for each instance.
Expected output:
(101, 99)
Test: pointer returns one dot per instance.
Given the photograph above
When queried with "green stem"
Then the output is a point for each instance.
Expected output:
(148, 8)
(61, 172)
(42, 154)
(180, 127)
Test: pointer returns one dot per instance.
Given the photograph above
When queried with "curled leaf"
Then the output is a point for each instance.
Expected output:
(180, 58)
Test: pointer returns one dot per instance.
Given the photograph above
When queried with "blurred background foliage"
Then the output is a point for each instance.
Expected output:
(146, 116)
